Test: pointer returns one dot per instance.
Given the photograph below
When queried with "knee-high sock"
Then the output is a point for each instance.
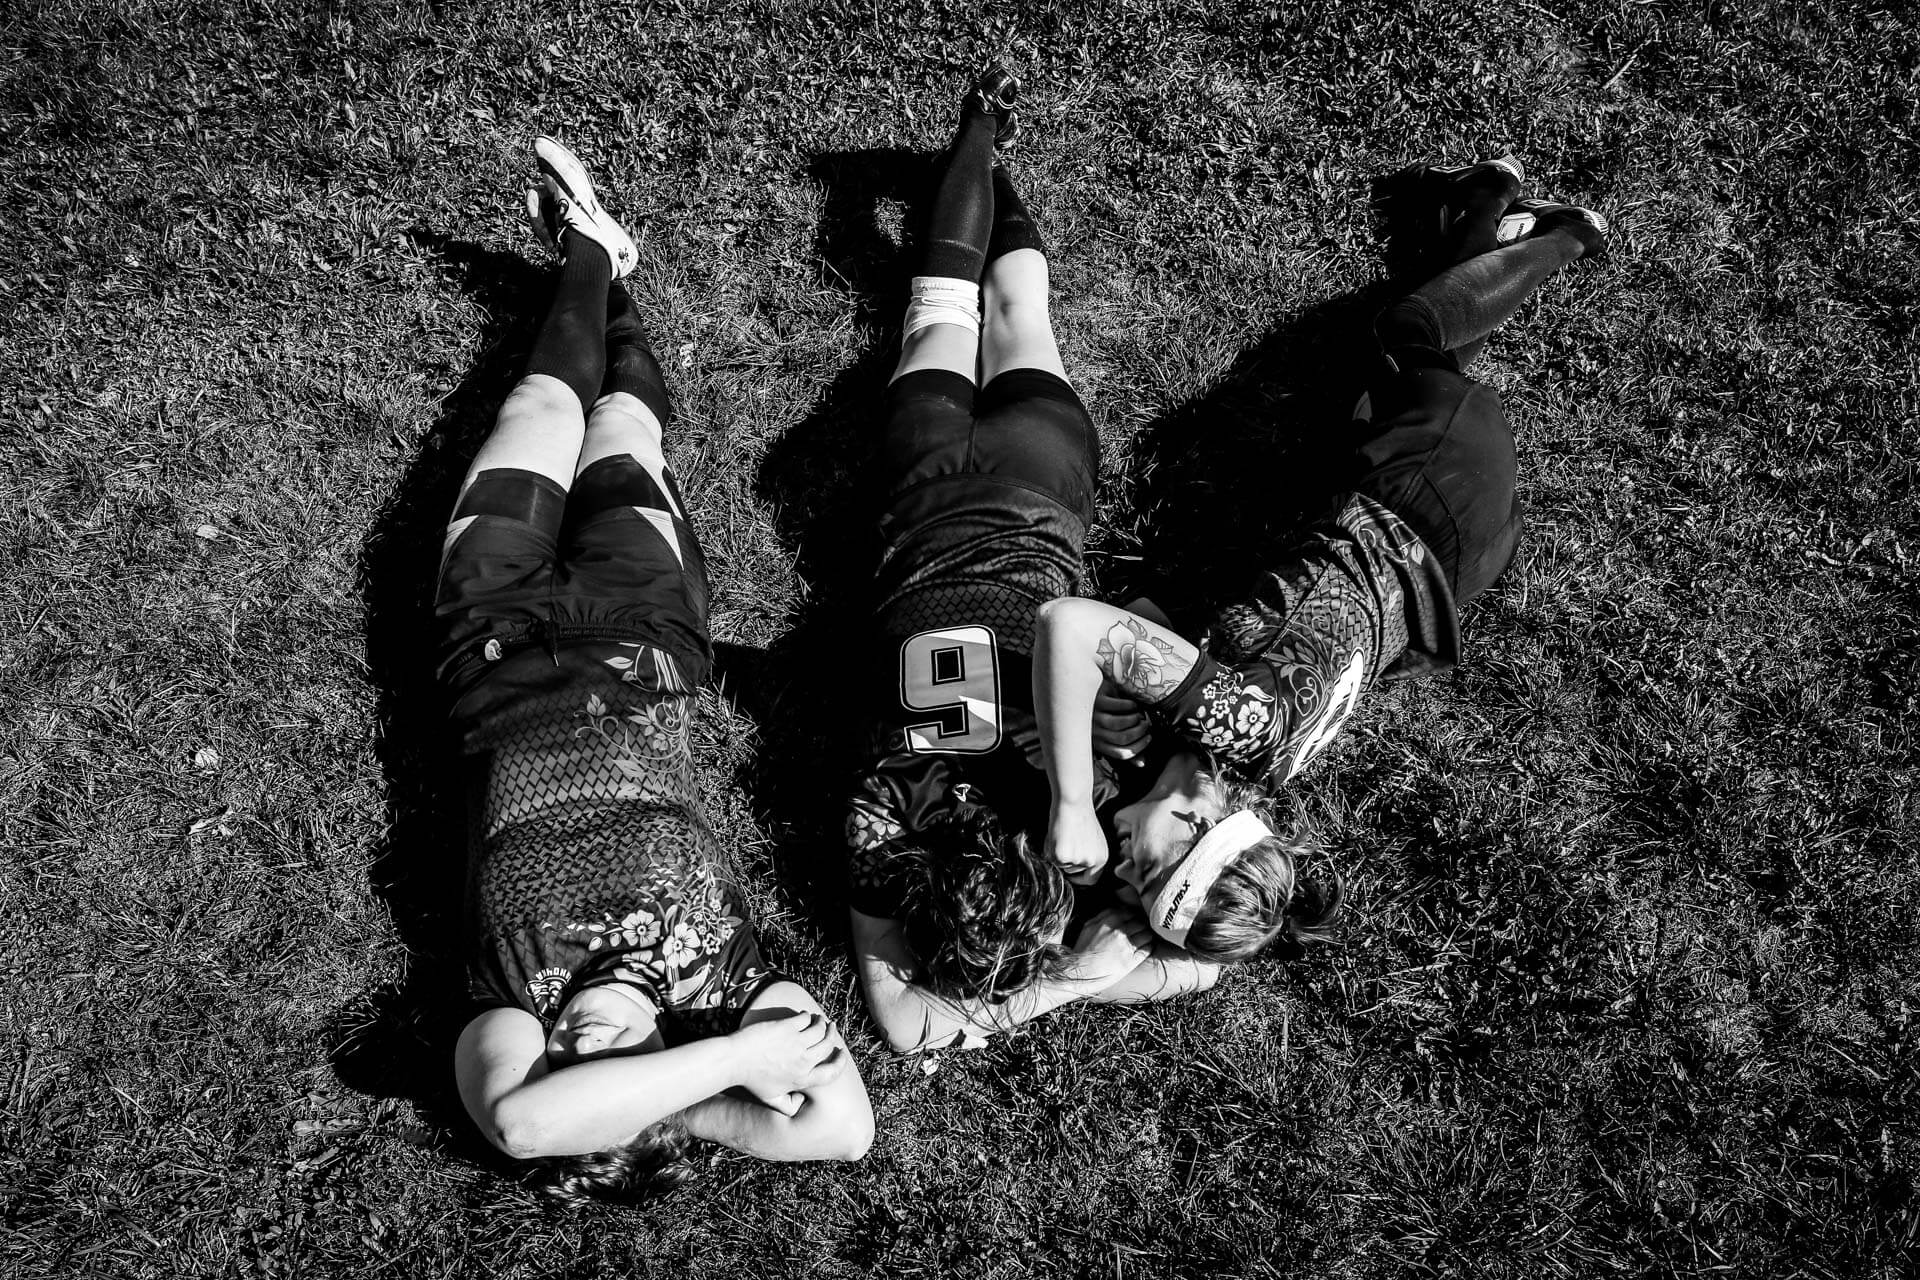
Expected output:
(961, 220)
(1013, 227)
(572, 343)
(1479, 201)
(1459, 307)
(631, 366)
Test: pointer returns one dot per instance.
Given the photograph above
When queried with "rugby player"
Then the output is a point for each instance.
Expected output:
(1425, 518)
(621, 1006)
(987, 463)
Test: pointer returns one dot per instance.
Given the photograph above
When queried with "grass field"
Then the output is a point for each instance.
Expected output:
(1631, 985)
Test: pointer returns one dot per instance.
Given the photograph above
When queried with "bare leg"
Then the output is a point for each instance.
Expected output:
(1019, 331)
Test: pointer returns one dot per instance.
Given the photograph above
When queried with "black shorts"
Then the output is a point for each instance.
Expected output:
(987, 499)
(1434, 448)
(613, 560)
(1027, 427)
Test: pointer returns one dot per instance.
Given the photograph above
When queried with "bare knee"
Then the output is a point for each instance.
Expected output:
(540, 400)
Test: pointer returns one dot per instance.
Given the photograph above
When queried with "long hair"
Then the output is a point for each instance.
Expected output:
(983, 918)
(1261, 899)
(656, 1161)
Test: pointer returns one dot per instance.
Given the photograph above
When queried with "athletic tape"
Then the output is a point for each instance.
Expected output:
(942, 300)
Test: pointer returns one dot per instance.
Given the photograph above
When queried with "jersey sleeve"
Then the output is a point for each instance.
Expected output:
(876, 862)
(1231, 711)
(1269, 716)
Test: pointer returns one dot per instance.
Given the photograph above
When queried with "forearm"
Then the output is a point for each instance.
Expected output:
(822, 1129)
(591, 1106)
(1169, 972)
(914, 1019)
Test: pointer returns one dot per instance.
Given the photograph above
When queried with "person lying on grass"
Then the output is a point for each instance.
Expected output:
(986, 462)
(1424, 519)
(623, 1006)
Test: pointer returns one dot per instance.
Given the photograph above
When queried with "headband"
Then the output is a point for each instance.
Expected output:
(1178, 901)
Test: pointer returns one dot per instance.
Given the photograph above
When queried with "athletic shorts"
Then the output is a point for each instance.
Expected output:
(614, 560)
(1027, 427)
(1434, 447)
(987, 499)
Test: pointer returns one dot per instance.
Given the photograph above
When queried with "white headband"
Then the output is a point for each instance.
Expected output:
(1178, 901)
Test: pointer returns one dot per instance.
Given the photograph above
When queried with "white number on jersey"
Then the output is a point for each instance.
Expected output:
(953, 674)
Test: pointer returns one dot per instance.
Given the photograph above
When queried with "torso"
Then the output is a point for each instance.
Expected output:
(589, 851)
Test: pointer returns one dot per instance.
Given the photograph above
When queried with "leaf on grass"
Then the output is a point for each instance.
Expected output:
(206, 758)
(216, 822)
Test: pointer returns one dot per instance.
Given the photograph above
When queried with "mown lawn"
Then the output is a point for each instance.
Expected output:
(1632, 980)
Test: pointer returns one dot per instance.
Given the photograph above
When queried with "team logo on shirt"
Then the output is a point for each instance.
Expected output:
(952, 674)
(545, 988)
(1341, 701)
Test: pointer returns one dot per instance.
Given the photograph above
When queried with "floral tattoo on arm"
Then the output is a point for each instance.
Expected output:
(1146, 667)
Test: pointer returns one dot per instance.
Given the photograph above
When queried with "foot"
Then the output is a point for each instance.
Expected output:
(995, 92)
(1526, 219)
(1453, 186)
(1419, 207)
(574, 207)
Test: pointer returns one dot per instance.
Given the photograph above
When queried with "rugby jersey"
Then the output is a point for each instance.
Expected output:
(1282, 669)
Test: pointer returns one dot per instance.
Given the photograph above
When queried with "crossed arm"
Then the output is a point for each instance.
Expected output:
(805, 1100)
(1078, 645)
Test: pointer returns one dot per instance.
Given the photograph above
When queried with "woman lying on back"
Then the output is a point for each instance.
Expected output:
(623, 1006)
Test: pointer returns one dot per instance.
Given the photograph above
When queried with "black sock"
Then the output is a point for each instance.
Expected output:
(1013, 227)
(631, 366)
(572, 343)
(1465, 303)
(961, 219)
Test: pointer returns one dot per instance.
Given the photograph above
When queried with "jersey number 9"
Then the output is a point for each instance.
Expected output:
(954, 675)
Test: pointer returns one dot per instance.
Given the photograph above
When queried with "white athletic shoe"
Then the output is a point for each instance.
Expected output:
(575, 207)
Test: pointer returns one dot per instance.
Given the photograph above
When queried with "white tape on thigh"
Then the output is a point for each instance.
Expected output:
(942, 300)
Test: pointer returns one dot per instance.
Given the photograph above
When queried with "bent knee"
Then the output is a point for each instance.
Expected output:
(538, 399)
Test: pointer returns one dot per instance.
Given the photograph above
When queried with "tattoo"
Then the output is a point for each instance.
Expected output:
(1147, 667)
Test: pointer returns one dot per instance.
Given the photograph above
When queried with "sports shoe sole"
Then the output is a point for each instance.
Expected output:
(579, 207)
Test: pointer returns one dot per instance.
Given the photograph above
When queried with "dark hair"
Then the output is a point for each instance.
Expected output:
(1260, 898)
(654, 1162)
(982, 919)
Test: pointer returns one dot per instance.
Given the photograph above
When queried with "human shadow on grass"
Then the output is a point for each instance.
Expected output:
(397, 1040)
(808, 692)
(1215, 488)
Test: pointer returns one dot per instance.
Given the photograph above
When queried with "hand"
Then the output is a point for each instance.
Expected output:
(1121, 730)
(1110, 946)
(782, 1058)
(1075, 841)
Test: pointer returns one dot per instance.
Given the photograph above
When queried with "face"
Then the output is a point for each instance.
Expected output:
(609, 1019)
(1156, 830)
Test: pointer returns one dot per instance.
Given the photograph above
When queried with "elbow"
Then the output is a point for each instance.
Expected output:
(855, 1139)
(519, 1141)
(1205, 976)
(904, 1041)
(517, 1134)
(1057, 613)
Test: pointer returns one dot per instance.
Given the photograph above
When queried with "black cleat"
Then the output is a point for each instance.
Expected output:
(995, 92)
(1419, 206)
